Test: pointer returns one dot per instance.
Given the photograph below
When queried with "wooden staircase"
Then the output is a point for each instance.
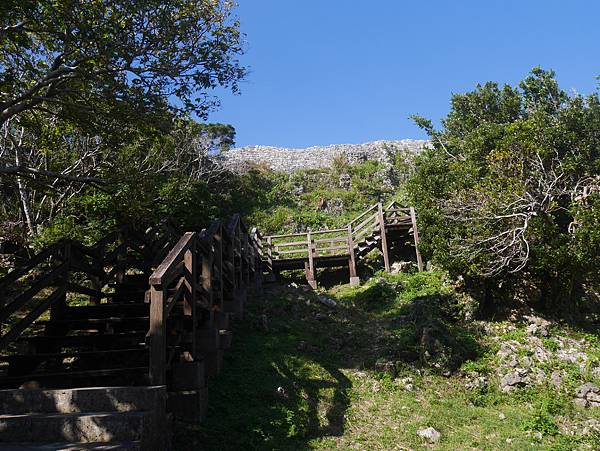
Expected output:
(375, 228)
(134, 311)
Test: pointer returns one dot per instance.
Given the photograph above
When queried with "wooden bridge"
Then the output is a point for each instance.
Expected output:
(98, 343)
(375, 228)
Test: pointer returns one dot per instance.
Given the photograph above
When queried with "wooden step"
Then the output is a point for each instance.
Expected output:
(101, 324)
(69, 379)
(64, 355)
(84, 340)
(108, 310)
(23, 364)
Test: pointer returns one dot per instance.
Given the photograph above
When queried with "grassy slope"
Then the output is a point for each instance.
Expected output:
(334, 398)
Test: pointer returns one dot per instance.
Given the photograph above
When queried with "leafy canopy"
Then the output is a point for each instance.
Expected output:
(510, 185)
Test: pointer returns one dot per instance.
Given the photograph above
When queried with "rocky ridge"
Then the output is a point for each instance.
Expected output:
(288, 160)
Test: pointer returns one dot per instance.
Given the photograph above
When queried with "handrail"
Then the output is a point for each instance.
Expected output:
(304, 243)
(373, 207)
(174, 255)
(52, 267)
(203, 269)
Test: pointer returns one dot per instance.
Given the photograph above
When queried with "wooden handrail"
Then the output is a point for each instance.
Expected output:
(97, 265)
(174, 256)
(373, 207)
(198, 270)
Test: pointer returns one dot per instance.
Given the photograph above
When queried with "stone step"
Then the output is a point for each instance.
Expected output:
(63, 446)
(75, 427)
(104, 399)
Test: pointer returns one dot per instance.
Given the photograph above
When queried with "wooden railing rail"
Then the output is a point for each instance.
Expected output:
(366, 212)
(343, 242)
(67, 267)
(180, 264)
(202, 272)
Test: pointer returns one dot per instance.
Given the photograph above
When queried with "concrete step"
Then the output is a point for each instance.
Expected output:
(64, 446)
(105, 399)
(75, 427)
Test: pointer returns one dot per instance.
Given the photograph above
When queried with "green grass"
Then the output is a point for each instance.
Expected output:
(334, 397)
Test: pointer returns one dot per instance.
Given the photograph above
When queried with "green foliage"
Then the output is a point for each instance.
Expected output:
(125, 58)
(509, 189)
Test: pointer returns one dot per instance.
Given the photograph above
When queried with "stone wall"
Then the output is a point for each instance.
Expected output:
(289, 160)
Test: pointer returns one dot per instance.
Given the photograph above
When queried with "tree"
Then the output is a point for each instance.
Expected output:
(510, 188)
(84, 82)
(74, 56)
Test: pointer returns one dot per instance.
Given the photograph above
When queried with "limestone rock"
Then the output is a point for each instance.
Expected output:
(430, 434)
(325, 300)
(587, 395)
(400, 267)
(290, 160)
(513, 380)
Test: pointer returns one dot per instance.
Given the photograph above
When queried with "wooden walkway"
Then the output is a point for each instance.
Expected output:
(375, 228)
(153, 308)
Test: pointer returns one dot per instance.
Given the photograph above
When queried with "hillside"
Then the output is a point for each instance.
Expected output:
(282, 159)
(400, 363)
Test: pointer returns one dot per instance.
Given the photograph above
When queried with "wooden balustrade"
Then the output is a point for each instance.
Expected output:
(201, 272)
(47, 280)
(342, 242)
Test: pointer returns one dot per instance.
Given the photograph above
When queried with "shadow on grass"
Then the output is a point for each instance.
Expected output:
(284, 387)
(279, 389)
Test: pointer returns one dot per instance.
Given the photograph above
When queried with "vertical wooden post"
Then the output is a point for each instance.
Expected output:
(384, 246)
(207, 263)
(413, 218)
(158, 342)
(59, 308)
(258, 263)
(190, 279)
(120, 258)
(354, 280)
(270, 259)
(231, 259)
(219, 265)
(246, 260)
(189, 274)
(310, 273)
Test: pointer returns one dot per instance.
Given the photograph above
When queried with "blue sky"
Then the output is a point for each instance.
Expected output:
(349, 71)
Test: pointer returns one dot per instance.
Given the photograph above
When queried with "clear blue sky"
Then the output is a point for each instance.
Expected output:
(349, 71)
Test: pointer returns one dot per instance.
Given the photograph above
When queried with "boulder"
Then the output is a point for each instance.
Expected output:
(430, 434)
(587, 395)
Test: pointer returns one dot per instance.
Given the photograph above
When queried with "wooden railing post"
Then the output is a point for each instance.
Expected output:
(354, 280)
(58, 308)
(207, 274)
(270, 259)
(157, 336)
(219, 266)
(191, 278)
(384, 246)
(246, 260)
(310, 269)
(413, 218)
